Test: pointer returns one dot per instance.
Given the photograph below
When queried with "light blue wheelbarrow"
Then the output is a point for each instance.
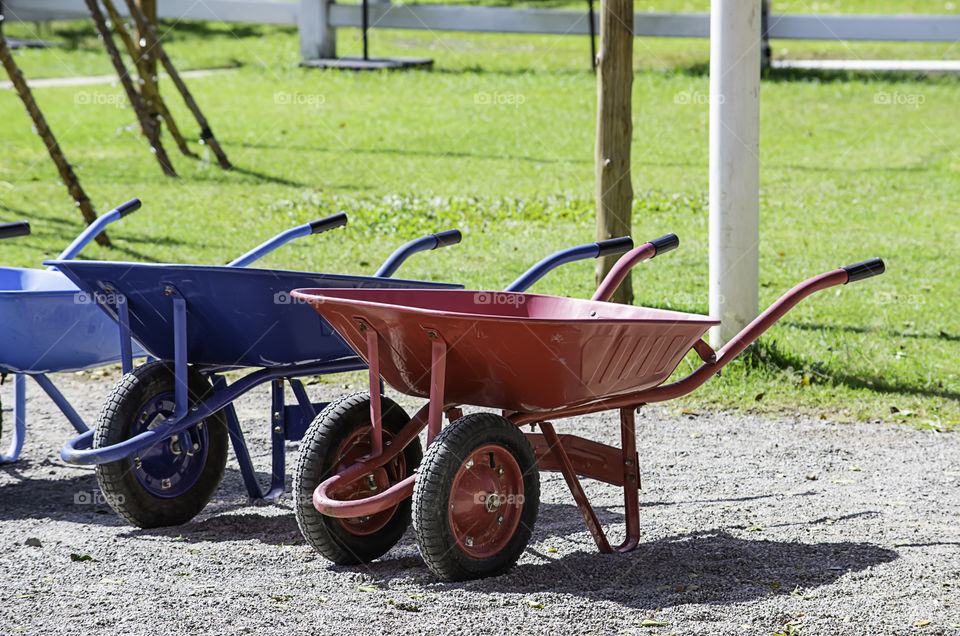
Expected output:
(47, 325)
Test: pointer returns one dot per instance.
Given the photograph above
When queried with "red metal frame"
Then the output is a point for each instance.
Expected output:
(567, 454)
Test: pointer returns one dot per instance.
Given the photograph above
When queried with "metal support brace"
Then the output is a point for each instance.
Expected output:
(303, 400)
(277, 439)
(58, 398)
(19, 419)
(126, 346)
(373, 362)
(181, 392)
(247, 472)
(438, 373)
(631, 484)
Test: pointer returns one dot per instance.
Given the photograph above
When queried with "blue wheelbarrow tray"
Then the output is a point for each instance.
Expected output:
(235, 317)
(50, 326)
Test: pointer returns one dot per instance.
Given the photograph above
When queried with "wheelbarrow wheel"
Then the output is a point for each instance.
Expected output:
(476, 498)
(338, 437)
(167, 484)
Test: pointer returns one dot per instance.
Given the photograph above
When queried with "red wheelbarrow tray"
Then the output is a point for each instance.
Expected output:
(517, 352)
(538, 358)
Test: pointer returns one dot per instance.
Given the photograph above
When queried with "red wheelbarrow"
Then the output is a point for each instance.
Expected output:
(535, 358)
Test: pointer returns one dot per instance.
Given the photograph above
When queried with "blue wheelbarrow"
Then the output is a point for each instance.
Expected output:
(48, 325)
(160, 445)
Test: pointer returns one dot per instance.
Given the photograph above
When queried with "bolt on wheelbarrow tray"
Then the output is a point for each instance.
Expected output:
(536, 358)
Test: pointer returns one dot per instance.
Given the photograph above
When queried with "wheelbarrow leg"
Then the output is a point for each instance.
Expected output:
(631, 479)
(65, 407)
(631, 484)
(243, 454)
(277, 439)
(19, 419)
(126, 345)
(570, 476)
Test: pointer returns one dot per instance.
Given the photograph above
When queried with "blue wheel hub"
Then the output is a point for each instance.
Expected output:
(172, 467)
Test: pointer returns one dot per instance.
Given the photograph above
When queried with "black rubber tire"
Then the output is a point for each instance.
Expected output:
(432, 491)
(315, 463)
(117, 481)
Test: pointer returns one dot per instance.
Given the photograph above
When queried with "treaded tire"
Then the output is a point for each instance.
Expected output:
(433, 496)
(117, 480)
(348, 542)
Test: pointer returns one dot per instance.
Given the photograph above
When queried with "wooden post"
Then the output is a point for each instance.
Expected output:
(153, 42)
(150, 88)
(148, 126)
(67, 174)
(614, 130)
(734, 165)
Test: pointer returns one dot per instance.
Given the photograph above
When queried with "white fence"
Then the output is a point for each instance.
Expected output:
(318, 20)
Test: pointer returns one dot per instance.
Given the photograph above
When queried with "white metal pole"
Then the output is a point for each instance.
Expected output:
(317, 38)
(734, 164)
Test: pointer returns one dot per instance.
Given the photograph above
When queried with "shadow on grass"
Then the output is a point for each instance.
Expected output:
(944, 336)
(77, 33)
(765, 354)
(415, 153)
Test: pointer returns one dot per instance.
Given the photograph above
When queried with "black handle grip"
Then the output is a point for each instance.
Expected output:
(665, 243)
(614, 246)
(129, 207)
(331, 222)
(866, 269)
(12, 230)
(448, 238)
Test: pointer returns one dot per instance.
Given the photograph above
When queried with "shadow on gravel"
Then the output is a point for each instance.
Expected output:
(224, 526)
(710, 566)
(76, 499)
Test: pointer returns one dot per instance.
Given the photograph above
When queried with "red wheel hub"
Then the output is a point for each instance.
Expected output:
(486, 501)
(351, 451)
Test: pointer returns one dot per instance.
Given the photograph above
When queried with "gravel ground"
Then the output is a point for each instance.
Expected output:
(750, 526)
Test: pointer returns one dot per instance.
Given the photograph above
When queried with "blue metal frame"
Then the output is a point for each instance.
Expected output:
(322, 225)
(96, 228)
(79, 451)
(20, 412)
(528, 278)
(402, 253)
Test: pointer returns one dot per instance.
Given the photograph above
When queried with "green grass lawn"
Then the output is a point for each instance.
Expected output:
(498, 140)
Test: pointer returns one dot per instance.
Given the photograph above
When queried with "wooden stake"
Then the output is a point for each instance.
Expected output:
(147, 125)
(150, 90)
(614, 130)
(153, 43)
(67, 175)
(148, 75)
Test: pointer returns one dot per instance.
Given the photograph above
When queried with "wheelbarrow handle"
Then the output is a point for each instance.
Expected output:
(590, 250)
(422, 244)
(95, 228)
(622, 267)
(714, 361)
(13, 230)
(314, 227)
(866, 269)
(331, 222)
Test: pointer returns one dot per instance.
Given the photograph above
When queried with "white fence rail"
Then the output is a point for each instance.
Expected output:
(318, 20)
